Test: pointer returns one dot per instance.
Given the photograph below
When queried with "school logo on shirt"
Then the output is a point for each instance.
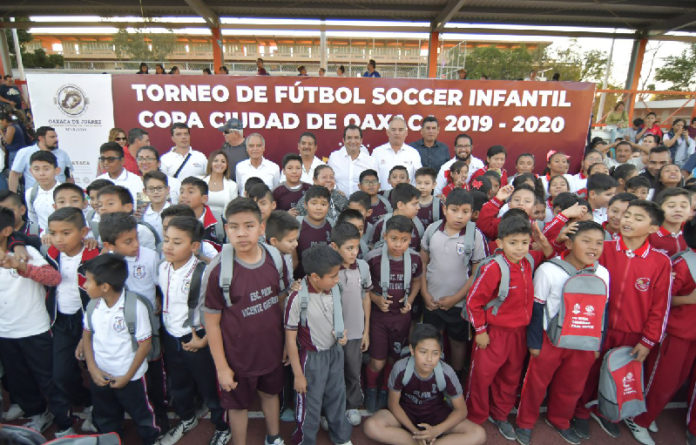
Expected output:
(119, 324)
(185, 286)
(13, 273)
(461, 248)
(642, 284)
(139, 272)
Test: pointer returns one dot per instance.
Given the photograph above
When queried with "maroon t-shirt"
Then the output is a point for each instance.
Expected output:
(426, 216)
(415, 236)
(252, 328)
(378, 210)
(286, 198)
(311, 235)
(396, 276)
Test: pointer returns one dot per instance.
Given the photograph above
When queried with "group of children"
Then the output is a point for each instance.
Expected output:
(317, 304)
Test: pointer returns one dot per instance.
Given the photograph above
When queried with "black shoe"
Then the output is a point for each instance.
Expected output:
(524, 436)
(581, 427)
(505, 428)
(610, 428)
(569, 434)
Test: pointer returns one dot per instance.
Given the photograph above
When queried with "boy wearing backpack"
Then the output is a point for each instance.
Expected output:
(116, 348)
(115, 198)
(559, 366)
(499, 308)
(369, 183)
(450, 249)
(315, 227)
(354, 282)
(418, 412)
(314, 321)
(243, 319)
(395, 270)
(39, 198)
(190, 367)
(404, 200)
(430, 207)
(639, 296)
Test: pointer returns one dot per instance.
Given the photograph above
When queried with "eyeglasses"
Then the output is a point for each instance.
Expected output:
(108, 159)
(463, 146)
(231, 131)
(143, 159)
(375, 182)
(156, 189)
(119, 139)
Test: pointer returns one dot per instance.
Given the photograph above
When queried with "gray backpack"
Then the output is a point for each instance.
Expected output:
(385, 272)
(621, 385)
(690, 258)
(20, 435)
(129, 316)
(91, 439)
(438, 371)
(386, 202)
(417, 223)
(469, 236)
(303, 295)
(580, 319)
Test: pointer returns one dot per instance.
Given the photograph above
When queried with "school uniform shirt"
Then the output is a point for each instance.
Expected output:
(22, 165)
(482, 171)
(352, 295)
(142, 273)
(218, 200)
(488, 220)
(23, 301)
(396, 277)
(131, 181)
(475, 164)
(448, 269)
(172, 160)
(681, 318)
(174, 189)
(307, 175)
(377, 235)
(600, 215)
(318, 335)
(385, 158)
(347, 170)
(667, 242)
(111, 341)
(516, 310)
(154, 218)
(68, 292)
(267, 171)
(209, 231)
(146, 238)
(311, 235)
(252, 328)
(426, 213)
(175, 285)
(420, 397)
(640, 291)
(287, 197)
(42, 207)
(547, 177)
(378, 210)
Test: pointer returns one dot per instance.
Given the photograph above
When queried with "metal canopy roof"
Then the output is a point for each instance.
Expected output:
(647, 17)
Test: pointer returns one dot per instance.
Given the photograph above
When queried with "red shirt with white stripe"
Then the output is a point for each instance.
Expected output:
(667, 242)
(681, 318)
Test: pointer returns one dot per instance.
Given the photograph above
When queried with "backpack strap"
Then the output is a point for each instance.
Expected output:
(364, 247)
(384, 271)
(436, 208)
(416, 222)
(430, 231)
(407, 273)
(226, 271)
(566, 266)
(303, 295)
(690, 258)
(33, 194)
(408, 372)
(386, 202)
(364, 270)
(94, 227)
(279, 263)
(438, 371)
(337, 312)
(607, 236)
(89, 311)
(469, 238)
(158, 239)
(503, 287)
(194, 294)
(129, 315)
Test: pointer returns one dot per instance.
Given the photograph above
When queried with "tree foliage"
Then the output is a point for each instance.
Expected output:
(36, 59)
(679, 71)
(141, 45)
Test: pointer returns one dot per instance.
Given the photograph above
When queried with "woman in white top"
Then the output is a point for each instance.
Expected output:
(148, 159)
(221, 189)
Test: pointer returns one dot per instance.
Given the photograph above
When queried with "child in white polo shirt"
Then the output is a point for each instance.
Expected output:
(39, 198)
(117, 371)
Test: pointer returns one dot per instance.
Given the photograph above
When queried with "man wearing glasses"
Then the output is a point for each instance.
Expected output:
(47, 139)
(111, 162)
(235, 144)
(463, 146)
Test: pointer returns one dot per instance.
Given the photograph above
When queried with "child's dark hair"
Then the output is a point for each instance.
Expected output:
(319, 169)
(425, 331)
(656, 214)
(97, 185)
(403, 192)
(361, 198)
(591, 168)
(109, 268)
(492, 176)
(671, 192)
(157, 175)
(317, 191)
(200, 184)
(44, 156)
(398, 167)
(320, 259)
(689, 233)
(458, 197)
(426, 171)
(112, 225)
(638, 182)
(399, 223)
(623, 171)
(524, 155)
(291, 157)
(556, 177)
(349, 214)
(7, 218)
(111, 146)
(71, 215)
(123, 193)
(600, 182)
(585, 226)
(514, 225)
(5, 194)
(242, 205)
(67, 186)
(457, 166)
(188, 224)
(177, 210)
(252, 182)
(341, 233)
(495, 150)
(368, 173)
(479, 198)
(523, 187)
(622, 197)
(547, 170)
(564, 200)
(279, 224)
(482, 184)
(260, 191)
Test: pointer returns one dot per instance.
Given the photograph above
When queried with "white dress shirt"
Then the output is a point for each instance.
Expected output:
(42, 207)
(307, 175)
(474, 165)
(385, 158)
(267, 171)
(218, 200)
(67, 292)
(347, 170)
(131, 181)
(195, 166)
(175, 285)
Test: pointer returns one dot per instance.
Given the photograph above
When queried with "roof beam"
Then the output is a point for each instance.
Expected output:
(452, 8)
(203, 10)
(673, 24)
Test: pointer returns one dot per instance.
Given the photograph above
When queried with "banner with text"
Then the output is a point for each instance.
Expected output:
(526, 116)
(81, 109)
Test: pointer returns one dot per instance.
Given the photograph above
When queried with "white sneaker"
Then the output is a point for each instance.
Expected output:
(353, 416)
(14, 412)
(278, 441)
(176, 433)
(40, 422)
(346, 443)
(66, 432)
(653, 427)
(87, 425)
(324, 423)
(640, 433)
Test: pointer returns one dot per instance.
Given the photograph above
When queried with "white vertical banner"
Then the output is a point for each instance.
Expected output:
(80, 107)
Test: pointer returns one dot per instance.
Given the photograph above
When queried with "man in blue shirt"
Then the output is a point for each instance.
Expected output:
(433, 153)
(47, 139)
(371, 69)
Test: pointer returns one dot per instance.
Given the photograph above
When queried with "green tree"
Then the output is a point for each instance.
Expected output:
(141, 45)
(679, 71)
(36, 59)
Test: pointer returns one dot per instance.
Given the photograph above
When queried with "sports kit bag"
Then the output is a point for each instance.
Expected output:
(91, 439)
(620, 392)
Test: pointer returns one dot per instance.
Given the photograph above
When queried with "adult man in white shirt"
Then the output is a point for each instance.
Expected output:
(463, 146)
(350, 160)
(183, 161)
(396, 152)
(111, 161)
(257, 165)
(307, 146)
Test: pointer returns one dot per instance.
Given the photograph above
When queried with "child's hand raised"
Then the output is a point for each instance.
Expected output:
(504, 192)
(91, 244)
(575, 211)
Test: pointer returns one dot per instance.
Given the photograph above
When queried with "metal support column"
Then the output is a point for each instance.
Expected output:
(637, 54)
(433, 45)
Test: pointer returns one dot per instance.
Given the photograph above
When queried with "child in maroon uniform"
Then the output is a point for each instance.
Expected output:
(391, 311)
(430, 206)
(246, 336)
(639, 295)
(418, 412)
(404, 200)
(315, 227)
(290, 192)
(676, 203)
(369, 183)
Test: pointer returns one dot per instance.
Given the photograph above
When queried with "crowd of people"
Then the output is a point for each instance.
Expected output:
(192, 283)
